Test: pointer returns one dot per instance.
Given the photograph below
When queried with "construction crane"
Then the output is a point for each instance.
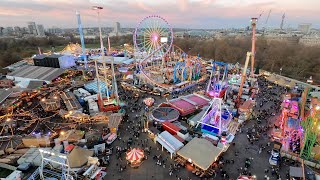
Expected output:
(265, 24)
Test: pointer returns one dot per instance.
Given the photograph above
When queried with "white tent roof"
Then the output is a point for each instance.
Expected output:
(201, 152)
(168, 141)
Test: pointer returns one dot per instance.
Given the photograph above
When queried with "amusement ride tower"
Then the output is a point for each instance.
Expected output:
(82, 40)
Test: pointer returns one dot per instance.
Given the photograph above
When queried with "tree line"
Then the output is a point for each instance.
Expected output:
(296, 60)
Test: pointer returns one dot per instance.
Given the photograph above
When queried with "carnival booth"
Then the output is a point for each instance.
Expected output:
(245, 110)
(135, 157)
(200, 155)
(169, 142)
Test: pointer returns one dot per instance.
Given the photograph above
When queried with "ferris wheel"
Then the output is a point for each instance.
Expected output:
(153, 33)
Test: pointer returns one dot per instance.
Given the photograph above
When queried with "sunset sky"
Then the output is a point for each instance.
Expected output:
(179, 13)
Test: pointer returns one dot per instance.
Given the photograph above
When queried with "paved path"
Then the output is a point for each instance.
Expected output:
(149, 169)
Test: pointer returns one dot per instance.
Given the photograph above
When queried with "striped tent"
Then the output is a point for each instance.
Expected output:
(246, 178)
(149, 101)
(135, 155)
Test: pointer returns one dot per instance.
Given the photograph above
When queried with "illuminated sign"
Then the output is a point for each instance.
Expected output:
(164, 39)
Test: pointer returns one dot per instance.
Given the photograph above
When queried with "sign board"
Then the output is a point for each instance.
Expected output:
(164, 39)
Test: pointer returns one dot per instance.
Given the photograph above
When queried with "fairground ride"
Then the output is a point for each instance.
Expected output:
(160, 62)
(28, 120)
(216, 119)
(243, 77)
(250, 55)
(311, 129)
(107, 100)
(218, 82)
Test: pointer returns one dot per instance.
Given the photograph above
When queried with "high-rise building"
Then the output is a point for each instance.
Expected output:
(40, 30)
(7, 31)
(24, 30)
(1, 31)
(16, 29)
(304, 28)
(32, 28)
(54, 30)
(116, 28)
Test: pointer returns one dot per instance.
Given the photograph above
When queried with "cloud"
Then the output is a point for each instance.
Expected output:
(183, 5)
(179, 13)
(144, 7)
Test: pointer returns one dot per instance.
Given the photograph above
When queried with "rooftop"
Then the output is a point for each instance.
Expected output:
(4, 94)
(189, 104)
(35, 84)
(40, 56)
(54, 55)
(37, 72)
(201, 152)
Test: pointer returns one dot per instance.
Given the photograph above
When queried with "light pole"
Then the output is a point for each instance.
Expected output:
(98, 8)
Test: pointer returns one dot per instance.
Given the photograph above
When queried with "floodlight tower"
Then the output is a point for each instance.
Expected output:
(82, 40)
(253, 48)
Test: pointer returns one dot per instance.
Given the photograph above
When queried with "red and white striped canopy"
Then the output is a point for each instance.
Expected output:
(246, 178)
(149, 101)
(135, 154)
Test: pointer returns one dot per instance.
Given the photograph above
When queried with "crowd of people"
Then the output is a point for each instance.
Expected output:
(256, 130)
(258, 133)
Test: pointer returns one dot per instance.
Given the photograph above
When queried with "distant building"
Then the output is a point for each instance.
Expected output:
(32, 28)
(7, 31)
(54, 30)
(310, 40)
(24, 30)
(40, 30)
(116, 28)
(25, 74)
(1, 31)
(304, 28)
(17, 29)
(54, 60)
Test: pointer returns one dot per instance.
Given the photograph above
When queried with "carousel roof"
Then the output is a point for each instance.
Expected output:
(79, 157)
(148, 101)
(246, 178)
(72, 49)
(163, 114)
(135, 154)
(114, 120)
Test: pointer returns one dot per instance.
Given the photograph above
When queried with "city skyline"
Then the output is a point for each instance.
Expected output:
(198, 14)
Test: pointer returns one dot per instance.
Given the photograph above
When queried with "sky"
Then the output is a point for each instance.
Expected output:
(200, 14)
